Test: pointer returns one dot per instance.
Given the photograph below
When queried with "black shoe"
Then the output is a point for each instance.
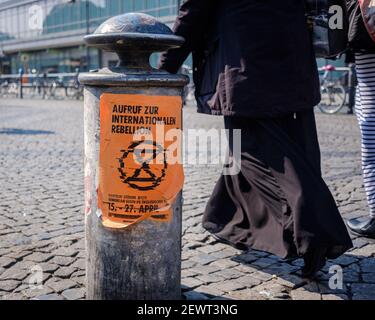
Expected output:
(365, 228)
(314, 261)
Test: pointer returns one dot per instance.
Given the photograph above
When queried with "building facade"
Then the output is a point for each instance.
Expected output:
(47, 35)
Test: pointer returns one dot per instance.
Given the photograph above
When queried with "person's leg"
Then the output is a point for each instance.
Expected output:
(365, 110)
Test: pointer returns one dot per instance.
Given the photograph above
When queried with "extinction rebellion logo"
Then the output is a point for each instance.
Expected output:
(137, 168)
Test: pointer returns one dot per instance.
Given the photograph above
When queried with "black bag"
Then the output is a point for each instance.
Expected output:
(328, 42)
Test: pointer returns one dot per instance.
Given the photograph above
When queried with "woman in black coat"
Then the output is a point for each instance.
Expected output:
(254, 64)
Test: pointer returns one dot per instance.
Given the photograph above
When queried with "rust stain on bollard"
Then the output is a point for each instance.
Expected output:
(142, 260)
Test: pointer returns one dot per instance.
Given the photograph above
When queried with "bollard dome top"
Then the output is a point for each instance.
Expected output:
(133, 31)
(134, 37)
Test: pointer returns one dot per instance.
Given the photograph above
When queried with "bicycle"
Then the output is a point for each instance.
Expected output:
(333, 94)
(74, 88)
(9, 89)
(55, 86)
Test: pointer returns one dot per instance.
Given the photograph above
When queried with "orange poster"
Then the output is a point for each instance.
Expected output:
(140, 169)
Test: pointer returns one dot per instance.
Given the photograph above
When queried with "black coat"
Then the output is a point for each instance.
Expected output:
(250, 57)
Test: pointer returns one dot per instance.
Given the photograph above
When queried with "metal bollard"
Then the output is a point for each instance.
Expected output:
(20, 92)
(133, 192)
(351, 87)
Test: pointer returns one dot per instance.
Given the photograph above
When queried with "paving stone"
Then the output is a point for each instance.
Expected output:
(185, 273)
(187, 264)
(35, 280)
(368, 277)
(49, 267)
(13, 296)
(271, 290)
(64, 272)
(351, 276)
(21, 287)
(303, 294)
(38, 257)
(191, 282)
(79, 264)
(207, 269)
(224, 263)
(18, 254)
(62, 261)
(366, 251)
(334, 297)
(289, 280)
(36, 292)
(246, 294)
(211, 290)
(49, 297)
(66, 252)
(228, 274)
(260, 254)
(362, 291)
(229, 286)
(80, 280)
(14, 273)
(245, 258)
(298, 262)
(193, 295)
(209, 278)
(261, 275)
(62, 285)
(344, 260)
(74, 294)
(204, 259)
(367, 265)
(222, 254)
(9, 285)
(5, 262)
(359, 243)
(210, 249)
(324, 288)
(26, 265)
(263, 263)
(248, 281)
(281, 269)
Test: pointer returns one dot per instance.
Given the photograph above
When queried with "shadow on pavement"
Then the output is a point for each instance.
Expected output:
(350, 268)
(267, 277)
(14, 131)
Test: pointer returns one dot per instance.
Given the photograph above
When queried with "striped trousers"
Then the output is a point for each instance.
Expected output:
(365, 111)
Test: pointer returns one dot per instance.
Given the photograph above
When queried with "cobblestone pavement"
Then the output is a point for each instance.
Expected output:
(41, 215)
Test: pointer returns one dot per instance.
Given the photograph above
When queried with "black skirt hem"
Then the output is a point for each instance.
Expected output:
(332, 251)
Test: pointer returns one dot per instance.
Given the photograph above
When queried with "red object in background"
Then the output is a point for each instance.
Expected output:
(329, 67)
(368, 14)
(25, 79)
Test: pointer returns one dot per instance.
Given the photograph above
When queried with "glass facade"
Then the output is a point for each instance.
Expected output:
(54, 60)
(20, 23)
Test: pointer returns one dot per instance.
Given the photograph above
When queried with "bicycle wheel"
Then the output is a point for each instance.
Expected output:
(13, 90)
(333, 98)
(71, 90)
